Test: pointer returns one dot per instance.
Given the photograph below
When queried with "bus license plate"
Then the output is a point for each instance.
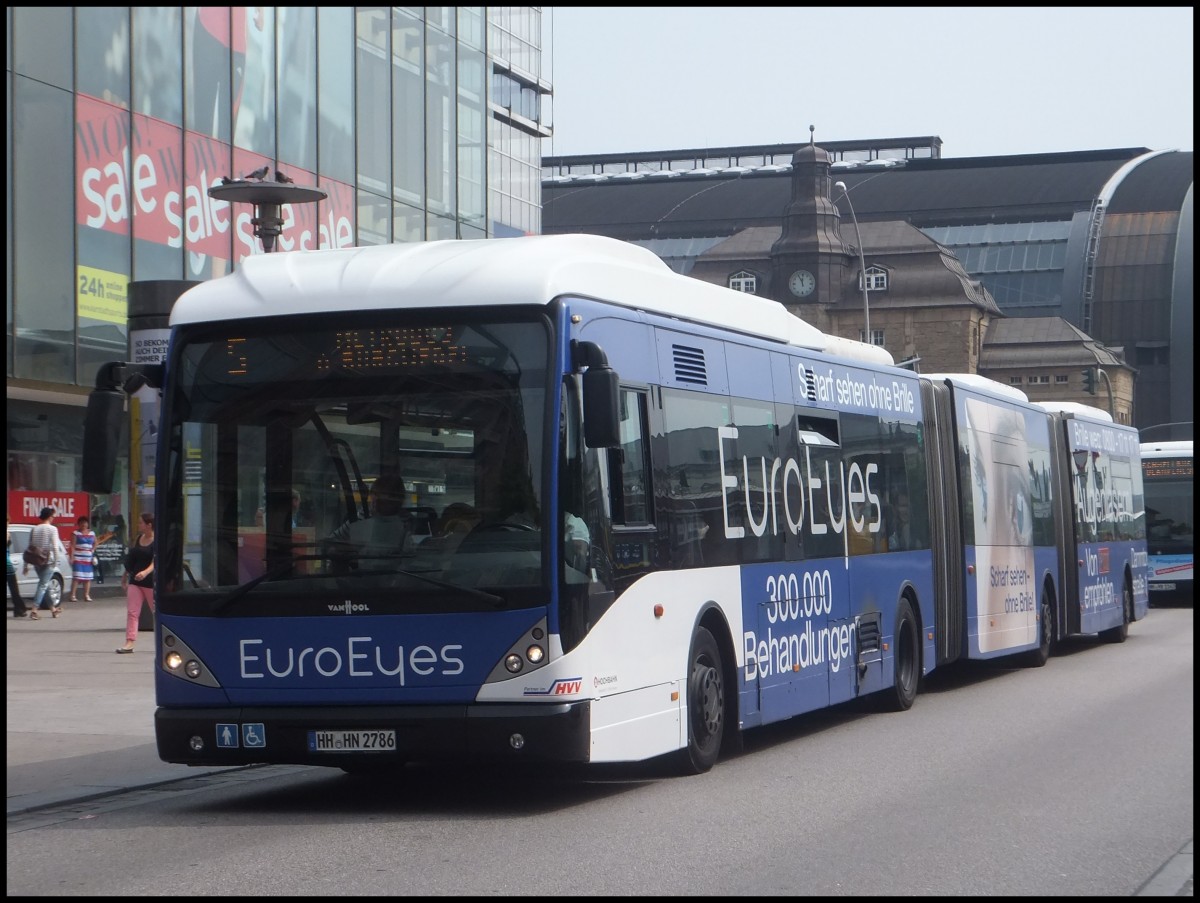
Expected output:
(1161, 586)
(351, 741)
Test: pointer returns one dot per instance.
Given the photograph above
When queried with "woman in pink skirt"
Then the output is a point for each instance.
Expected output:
(138, 579)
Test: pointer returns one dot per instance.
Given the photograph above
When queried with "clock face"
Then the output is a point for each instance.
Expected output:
(802, 283)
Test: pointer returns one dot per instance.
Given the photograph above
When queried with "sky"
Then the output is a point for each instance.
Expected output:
(986, 80)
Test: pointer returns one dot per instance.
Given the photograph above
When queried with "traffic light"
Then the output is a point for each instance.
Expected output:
(1089, 380)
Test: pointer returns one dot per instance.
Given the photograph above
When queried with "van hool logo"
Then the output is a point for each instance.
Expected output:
(348, 607)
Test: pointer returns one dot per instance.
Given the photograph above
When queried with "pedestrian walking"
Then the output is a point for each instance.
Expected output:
(20, 609)
(83, 556)
(138, 579)
(44, 538)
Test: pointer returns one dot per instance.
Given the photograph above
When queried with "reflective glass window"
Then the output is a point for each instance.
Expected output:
(102, 53)
(372, 86)
(43, 203)
(297, 26)
(103, 212)
(472, 137)
(470, 26)
(441, 165)
(206, 70)
(157, 63)
(438, 228)
(408, 99)
(42, 45)
(207, 223)
(409, 223)
(441, 18)
(335, 88)
(253, 44)
(374, 215)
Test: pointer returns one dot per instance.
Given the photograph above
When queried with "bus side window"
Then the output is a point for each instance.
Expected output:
(629, 464)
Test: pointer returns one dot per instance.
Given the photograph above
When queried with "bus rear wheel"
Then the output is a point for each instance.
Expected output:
(906, 661)
(1118, 634)
(705, 704)
(1035, 658)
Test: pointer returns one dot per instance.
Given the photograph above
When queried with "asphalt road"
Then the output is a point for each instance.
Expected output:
(80, 720)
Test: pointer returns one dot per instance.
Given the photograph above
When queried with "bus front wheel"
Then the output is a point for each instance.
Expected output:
(705, 704)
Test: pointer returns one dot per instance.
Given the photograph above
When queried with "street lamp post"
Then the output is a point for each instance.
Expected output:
(862, 262)
(268, 199)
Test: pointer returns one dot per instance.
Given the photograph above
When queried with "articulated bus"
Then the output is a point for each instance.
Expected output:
(543, 499)
(1101, 519)
(1170, 519)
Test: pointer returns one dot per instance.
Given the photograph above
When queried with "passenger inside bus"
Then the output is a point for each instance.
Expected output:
(576, 541)
(900, 536)
(860, 539)
(456, 521)
(385, 532)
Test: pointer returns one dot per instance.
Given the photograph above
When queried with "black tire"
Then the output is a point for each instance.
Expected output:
(1035, 658)
(705, 704)
(906, 661)
(1119, 634)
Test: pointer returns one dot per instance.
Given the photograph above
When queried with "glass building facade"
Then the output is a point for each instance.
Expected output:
(1021, 264)
(417, 123)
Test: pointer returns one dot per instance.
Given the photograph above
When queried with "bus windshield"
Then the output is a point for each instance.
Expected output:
(1170, 519)
(395, 466)
(1169, 503)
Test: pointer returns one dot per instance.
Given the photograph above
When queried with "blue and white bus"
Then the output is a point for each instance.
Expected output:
(1170, 519)
(543, 499)
(1102, 520)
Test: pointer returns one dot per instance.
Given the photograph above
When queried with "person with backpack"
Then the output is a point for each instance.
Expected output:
(44, 551)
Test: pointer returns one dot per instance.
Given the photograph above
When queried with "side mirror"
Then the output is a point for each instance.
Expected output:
(601, 398)
(601, 408)
(101, 439)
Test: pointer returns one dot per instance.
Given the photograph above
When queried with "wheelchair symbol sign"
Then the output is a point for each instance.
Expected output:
(254, 736)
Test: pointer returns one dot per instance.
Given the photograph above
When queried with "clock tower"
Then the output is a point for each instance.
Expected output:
(808, 259)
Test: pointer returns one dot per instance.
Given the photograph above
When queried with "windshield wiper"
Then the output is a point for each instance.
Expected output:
(497, 601)
(273, 574)
(284, 567)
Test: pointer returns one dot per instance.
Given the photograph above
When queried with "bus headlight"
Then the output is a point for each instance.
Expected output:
(178, 660)
(528, 652)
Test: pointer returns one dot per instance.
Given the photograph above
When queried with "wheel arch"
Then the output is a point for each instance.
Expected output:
(713, 619)
(908, 593)
(1133, 607)
(1051, 592)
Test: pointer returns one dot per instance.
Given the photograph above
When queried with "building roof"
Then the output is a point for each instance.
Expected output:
(933, 277)
(926, 192)
(1021, 342)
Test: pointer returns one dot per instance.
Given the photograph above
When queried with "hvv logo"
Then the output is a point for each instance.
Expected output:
(564, 686)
